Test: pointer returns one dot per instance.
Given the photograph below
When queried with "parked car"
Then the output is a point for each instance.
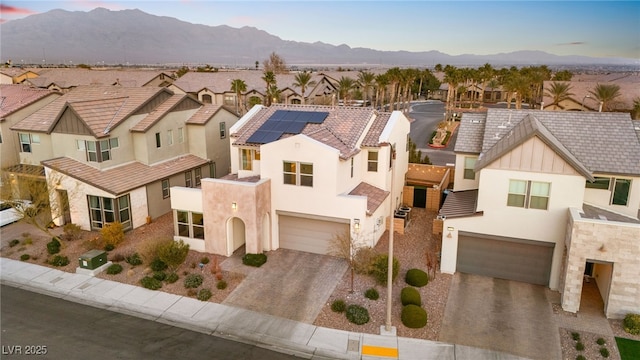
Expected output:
(8, 213)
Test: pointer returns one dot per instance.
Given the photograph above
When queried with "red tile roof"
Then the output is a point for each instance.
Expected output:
(15, 97)
(205, 114)
(375, 196)
(157, 113)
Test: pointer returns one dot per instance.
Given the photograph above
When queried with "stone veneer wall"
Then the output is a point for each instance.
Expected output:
(605, 241)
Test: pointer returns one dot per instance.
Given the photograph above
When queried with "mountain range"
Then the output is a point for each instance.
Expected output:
(135, 37)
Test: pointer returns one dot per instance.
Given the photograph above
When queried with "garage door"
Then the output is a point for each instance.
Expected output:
(310, 235)
(505, 258)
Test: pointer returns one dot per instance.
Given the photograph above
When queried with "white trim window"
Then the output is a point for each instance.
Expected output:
(223, 130)
(190, 224)
(165, 188)
(469, 165)
(372, 161)
(297, 173)
(620, 189)
(187, 179)
(26, 140)
(103, 210)
(198, 173)
(529, 194)
(99, 151)
(180, 135)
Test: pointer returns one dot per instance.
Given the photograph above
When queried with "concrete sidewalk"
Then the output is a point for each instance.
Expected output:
(266, 331)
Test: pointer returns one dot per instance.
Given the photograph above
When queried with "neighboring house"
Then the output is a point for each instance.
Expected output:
(15, 75)
(300, 175)
(546, 197)
(63, 80)
(111, 153)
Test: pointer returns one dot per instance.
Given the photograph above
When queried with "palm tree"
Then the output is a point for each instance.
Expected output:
(635, 112)
(269, 78)
(273, 93)
(366, 79)
(493, 84)
(606, 94)
(303, 80)
(345, 85)
(559, 91)
(382, 81)
(393, 75)
(452, 78)
(238, 86)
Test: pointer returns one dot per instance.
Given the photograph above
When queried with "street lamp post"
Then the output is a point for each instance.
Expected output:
(388, 329)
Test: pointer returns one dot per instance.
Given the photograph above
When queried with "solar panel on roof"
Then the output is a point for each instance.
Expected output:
(285, 121)
(295, 127)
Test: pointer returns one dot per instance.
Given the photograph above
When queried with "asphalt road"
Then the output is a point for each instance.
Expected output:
(59, 329)
(426, 117)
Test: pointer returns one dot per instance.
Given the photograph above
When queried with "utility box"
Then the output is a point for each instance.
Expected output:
(93, 259)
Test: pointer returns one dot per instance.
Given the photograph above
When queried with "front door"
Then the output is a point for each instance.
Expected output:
(420, 196)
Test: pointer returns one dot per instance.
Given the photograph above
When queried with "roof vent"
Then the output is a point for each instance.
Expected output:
(496, 136)
(502, 126)
(476, 121)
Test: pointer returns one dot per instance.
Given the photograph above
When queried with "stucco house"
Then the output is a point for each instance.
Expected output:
(547, 197)
(111, 153)
(66, 79)
(300, 175)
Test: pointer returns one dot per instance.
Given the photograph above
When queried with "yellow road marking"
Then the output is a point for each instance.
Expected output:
(379, 351)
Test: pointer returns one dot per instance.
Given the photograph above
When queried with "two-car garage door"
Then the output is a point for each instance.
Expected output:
(505, 258)
(309, 234)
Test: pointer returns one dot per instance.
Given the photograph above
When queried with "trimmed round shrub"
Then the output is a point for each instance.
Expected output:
(357, 314)
(372, 294)
(410, 295)
(59, 260)
(631, 324)
(159, 275)
(416, 277)
(221, 285)
(581, 357)
(171, 278)
(380, 268)
(114, 269)
(14, 242)
(575, 336)
(338, 306)
(413, 316)
(204, 294)
(192, 281)
(53, 246)
(133, 259)
(150, 283)
(600, 341)
(579, 346)
(204, 260)
(256, 260)
(25, 257)
(604, 352)
(109, 247)
(158, 265)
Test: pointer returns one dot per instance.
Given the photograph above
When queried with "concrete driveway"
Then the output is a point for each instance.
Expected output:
(501, 315)
(291, 284)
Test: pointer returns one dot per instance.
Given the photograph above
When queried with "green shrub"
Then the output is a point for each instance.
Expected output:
(413, 316)
(579, 346)
(134, 259)
(159, 275)
(114, 269)
(25, 257)
(204, 294)
(112, 234)
(416, 277)
(14, 242)
(433, 135)
(171, 278)
(109, 247)
(631, 324)
(600, 341)
(150, 283)
(604, 352)
(357, 314)
(372, 294)
(173, 253)
(221, 285)
(71, 232)
(380, 267)
(53, 246)
(59, 260)
(192, 281)
(581, 357)
(338, 306)
(256, 260)
(204, 260)
(575, 336)
(410, 295)
(158, 265)
(363, 260)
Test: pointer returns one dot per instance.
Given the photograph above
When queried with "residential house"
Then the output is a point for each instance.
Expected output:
(111, 153)
(300, 175)
(546, 197)
(16, 75)
(65, 79)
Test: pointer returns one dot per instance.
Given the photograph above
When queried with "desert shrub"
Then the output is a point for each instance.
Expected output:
(134, 259)
(338, 306)
(59, 260)
(579, 346)
(631, 324)
(109, 247)
(158, 265)
(14, 242)
(604, 352)
(192, 281)
(204, 260)
(575, 336)
(581, 357)
(171, 278)
(372, 294)
(150, 283)
(363, 260)
(173, 253)
(416, 277)
(380, 268)
(112, 234)
(53, 246)
(25, 257)
(357, 314)
(71, 232)
(117, 258)
(221, 285)
(413, 316)
(600, 341)
(114, 269)
(256, 260)
(204, 294)
(27, 241)
(159, 275)
(410, 295)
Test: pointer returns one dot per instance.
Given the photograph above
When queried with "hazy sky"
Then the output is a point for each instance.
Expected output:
(591, 28)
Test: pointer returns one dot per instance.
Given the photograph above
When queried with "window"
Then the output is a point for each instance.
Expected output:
(158, 143)
(0, 137)
(190, 224)
(247, 159)
(92, 151)
(104, 210)
(180, 135)
(620, 194)
(187, 179)
(198, 172)
(98, 151)
(197, 221)
(105, 150)
(165, 188)
(114, 143)
(170, 137)
(80, 145)
(295, 173)
(182, 218)
(35, 139)
(25, 143)
(599, 183)
(229, 99)
(352, 167)
(469, 164)
(206, 99)
(212, 170)
(528, 194)
(223, 130)
(372, 161)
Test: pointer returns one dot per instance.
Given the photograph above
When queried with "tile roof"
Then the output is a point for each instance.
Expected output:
(204, 114)
(13, 72)
(372, 139)
(121, 179)
(470, 133)
(460, 204)
(593, 212)
(97, 103)
(375, 196)
(16, 97)
(157, 113)
(341, 129)
(67, 78)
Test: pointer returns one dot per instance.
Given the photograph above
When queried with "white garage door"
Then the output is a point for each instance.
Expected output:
(505, 258)
(310, 235)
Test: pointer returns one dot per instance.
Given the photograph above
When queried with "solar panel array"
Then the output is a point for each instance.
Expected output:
(285, 122)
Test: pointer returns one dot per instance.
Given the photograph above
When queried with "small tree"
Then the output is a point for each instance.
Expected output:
(275, 63)
(344, 246)
(173, 253)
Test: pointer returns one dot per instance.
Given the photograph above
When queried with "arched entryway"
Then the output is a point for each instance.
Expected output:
(235, 234)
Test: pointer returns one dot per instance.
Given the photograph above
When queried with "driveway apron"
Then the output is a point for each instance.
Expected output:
(501, 315)
(291, 284)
